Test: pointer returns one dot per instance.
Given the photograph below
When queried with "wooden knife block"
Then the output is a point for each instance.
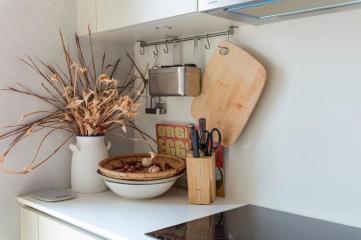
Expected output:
(201, 177)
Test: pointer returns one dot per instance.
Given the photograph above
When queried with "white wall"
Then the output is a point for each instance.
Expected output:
(301, 150)
(32, 27)
(28, 27)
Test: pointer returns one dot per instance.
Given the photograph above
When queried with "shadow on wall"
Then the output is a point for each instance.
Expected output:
(273, 87)
(257, 122)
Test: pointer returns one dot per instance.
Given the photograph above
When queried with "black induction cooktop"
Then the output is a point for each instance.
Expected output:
(256, 223)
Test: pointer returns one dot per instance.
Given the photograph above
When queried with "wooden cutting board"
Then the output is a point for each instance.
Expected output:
(231, 87)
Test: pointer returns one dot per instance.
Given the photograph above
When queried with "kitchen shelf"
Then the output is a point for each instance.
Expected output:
(181, 26)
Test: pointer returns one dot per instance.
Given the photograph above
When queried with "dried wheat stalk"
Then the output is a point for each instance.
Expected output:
(84, 103)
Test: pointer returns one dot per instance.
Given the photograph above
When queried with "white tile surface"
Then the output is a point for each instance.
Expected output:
(112, 217)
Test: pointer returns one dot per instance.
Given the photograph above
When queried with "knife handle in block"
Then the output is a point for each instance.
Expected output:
(201, 177)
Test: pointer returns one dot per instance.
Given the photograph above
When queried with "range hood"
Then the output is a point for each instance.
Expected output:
(265, 11)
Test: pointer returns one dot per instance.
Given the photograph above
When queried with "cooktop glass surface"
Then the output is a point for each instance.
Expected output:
(255, 223)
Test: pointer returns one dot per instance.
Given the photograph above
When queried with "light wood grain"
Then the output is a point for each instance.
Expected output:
(231, 87)
(201, 177)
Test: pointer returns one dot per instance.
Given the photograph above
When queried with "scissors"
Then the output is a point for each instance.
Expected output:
(207, 147)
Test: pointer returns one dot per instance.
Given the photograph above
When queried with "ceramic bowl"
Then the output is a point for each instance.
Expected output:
(140, 189)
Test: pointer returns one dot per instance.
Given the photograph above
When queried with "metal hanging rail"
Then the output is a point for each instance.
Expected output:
(230, 31)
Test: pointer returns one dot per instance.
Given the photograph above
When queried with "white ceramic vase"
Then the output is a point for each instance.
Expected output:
(87, 153)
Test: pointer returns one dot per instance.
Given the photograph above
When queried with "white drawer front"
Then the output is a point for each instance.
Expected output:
(50, 229)
(29, 225)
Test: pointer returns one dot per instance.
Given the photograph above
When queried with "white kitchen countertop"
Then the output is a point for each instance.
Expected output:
(109, 216)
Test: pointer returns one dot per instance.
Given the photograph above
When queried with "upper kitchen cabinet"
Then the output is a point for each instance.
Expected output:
(86, 16)
(127, 21)
(115, 14)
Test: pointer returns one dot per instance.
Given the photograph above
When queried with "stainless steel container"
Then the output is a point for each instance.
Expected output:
(175, 81)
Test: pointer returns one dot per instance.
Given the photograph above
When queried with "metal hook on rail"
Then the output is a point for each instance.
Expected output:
(156, 50)
(166, 50)
(142, 50)
(208, 45)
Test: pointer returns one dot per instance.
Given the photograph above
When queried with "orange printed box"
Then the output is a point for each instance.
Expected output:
(173, 139)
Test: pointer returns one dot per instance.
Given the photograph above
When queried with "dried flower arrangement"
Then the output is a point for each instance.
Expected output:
(84, 103)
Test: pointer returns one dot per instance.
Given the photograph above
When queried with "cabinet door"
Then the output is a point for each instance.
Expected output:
(113, 14)
(29, 224)
(86, 16)
(51, 229)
